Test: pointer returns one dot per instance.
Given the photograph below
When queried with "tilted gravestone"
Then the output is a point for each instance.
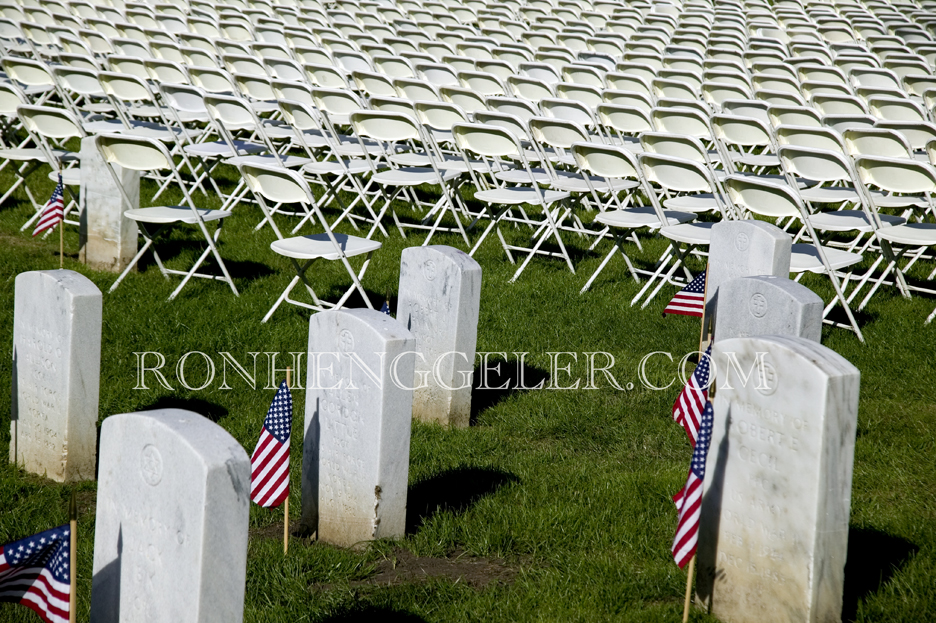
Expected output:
(774, 518)
(170, 542)
(358, 415)
(107, 239)
(439, 302)
(56, 374)
(745, 249)
(766, 305)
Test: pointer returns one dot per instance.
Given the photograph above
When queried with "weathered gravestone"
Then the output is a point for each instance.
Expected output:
(56, 374)
(170, 543)
(439, 302)
(777, 492)
(358, 414)
(107, 239)
(766, 305)
(745, 249)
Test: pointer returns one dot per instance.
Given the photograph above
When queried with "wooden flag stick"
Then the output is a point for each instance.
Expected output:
(702, 331)
(61, 243)
(286, 517)
(72, 558)
(685, 612)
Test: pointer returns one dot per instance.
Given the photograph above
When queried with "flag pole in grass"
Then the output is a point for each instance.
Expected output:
(54, 214)
(703, 334)
(269, 463)
(286, 515)
(685, 612)
(73, 556)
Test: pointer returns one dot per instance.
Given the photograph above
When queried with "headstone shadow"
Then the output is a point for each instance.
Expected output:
(502, 379)
(210, 410)
(456, 490)
(873, 559)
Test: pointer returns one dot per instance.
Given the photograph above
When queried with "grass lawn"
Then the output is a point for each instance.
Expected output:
(555, 504)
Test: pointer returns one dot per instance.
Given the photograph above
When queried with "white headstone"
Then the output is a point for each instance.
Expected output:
(358, 414)
(766, 305)
(107, 239)
(170, 542)
(56, 374)
(774, 520)
(439, 301)
(745, 249)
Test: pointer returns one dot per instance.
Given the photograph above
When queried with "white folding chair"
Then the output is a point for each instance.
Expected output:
(147, 155)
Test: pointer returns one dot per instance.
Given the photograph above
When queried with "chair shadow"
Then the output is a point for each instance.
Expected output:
(503, 378)
(368, 613)
(241, 269)
(455, 490)
(210, 410)
(873, 559)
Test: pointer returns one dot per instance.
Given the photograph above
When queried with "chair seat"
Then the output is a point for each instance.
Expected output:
(313, 138)
(755, 160)
(457, 163)
(332, 167)
(644, 216)
(918, 234)
(173, 214)
(826, 194)
(412, 176)
(690, 233)
(898, 201)
(221, 149)
(850, 220)
(411, 159)
(520, 176)
(319, 246)
(70, 177)
(516, 196)
(279, 131)
(805, 257)
(573, 182)
(23, 154)
(264, 107)
(290, 162)
(703, 202)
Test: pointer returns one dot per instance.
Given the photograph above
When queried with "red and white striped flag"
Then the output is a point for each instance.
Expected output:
(35, 572)
(269, 464)
(54, 211)
(690, 301)
(691, 401)
(689, 499)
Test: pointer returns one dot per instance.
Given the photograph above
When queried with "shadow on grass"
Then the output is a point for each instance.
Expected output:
(454, 490)
(374, 613)
(210, 410)
(873, 558)
(502, 378)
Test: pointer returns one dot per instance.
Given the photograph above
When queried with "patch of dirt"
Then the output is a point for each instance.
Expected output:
(405, 568)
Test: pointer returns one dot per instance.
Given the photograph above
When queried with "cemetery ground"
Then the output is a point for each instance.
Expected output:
(555, 504)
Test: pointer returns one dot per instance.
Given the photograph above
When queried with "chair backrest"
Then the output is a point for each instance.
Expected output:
(588, 95)
(794, 115)
(741, 131)
(415, 89)
(876, 142)
(277, 184)
(896, 174)
(821, 165)
(385, 126)
(482, 83)
(763, 198)
(124, 87)
(78, 80)
(557, 133)
(440, 115)
(393, 104)
(624, 119)
(570, 110)
(50, 122)
(231, 113)
(212, 80)
(469, 100)
(514, 125)
(336, 101)
(134, 152)
(676, 145)
(681, 121)
(676, 174)
(814, 138)
(917, 134)
(608, 161)
(486, 140)
(30, 73)
(183, 97)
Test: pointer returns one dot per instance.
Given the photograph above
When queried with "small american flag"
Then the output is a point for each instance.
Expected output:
(690, 301)
(54, 211)
(35, 572)
(691, 401)
(386, 307)
(269, 464)
(689, 499)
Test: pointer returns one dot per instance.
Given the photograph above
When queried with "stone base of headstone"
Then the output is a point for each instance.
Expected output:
(107, 239)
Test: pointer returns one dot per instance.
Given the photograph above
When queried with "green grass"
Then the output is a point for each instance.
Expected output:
(571, 487)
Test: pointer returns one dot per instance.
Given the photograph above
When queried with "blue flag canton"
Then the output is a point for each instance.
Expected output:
(697, 285)
(386, 308)
(279, 418)
(47, 549)
(702, 444)
(58, 193)
(702, 371)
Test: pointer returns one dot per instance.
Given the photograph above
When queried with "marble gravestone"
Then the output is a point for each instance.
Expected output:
(766, 305)
(439, 302)
(745, 249)
(173, 503)
(358, 415)
(773, 530)
(56, 374)
(107, 239)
